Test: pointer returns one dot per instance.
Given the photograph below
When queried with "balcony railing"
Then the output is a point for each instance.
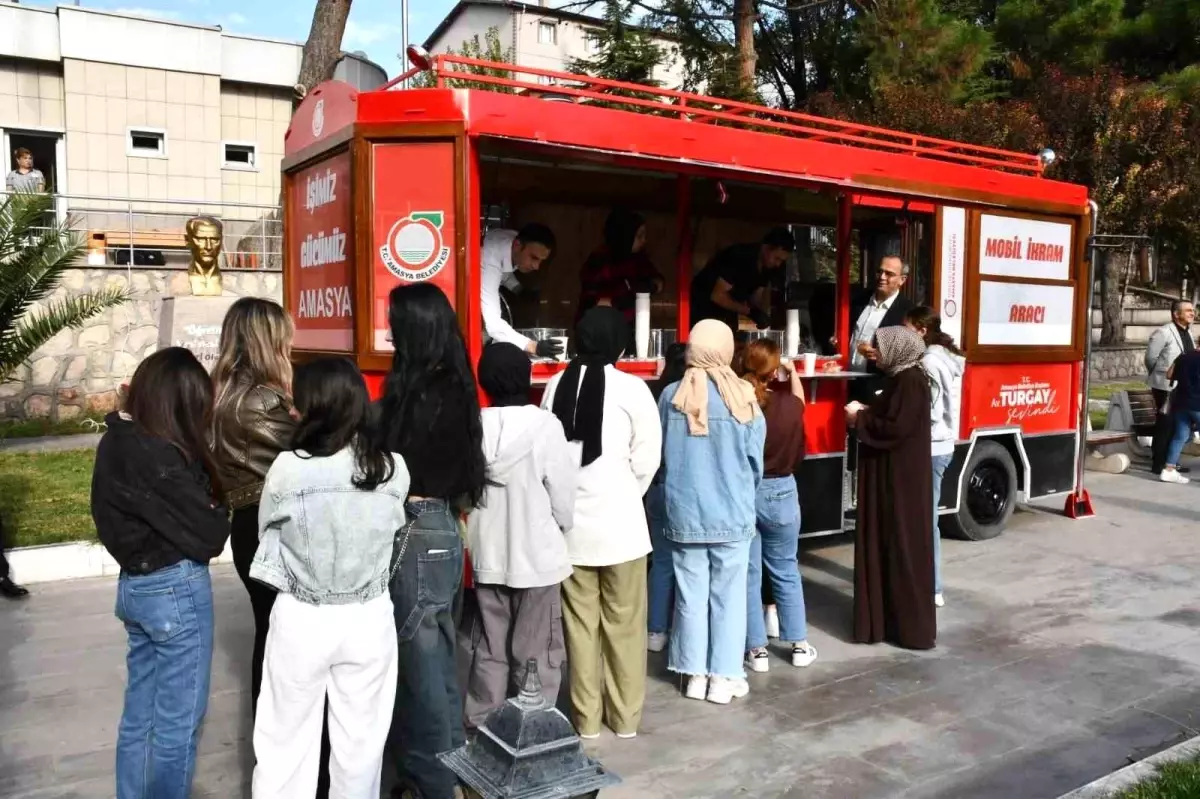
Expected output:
(134, 233)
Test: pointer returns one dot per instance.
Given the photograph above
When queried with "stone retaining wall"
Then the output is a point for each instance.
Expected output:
(79, 370)
(1118, 363)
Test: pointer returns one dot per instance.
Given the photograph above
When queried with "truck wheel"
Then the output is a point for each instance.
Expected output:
(989, 495)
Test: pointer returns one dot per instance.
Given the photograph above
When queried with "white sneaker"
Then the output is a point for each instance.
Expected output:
(939, 601)
(1172, 476)
(803, 654)
(723, 690)
(772, 621)
(656, 642)
(758, 661)
(697, 687)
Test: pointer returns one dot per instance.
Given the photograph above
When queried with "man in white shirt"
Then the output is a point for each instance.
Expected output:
(504, 253)
(884, 307)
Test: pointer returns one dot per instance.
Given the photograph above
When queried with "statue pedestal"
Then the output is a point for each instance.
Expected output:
(194, 323)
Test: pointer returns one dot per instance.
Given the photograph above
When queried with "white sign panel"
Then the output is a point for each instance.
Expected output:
(1023, 314)
(1014, 247)
(950, 278)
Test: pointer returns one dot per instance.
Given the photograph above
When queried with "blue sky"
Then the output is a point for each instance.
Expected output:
(374, 25)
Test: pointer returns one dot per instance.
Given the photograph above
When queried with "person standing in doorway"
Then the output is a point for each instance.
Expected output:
(734, 283)
(24, 178)
(944, 362)
(1166, 344)
(870, 312)
(893, 551)
(515, 538)
(504, 255)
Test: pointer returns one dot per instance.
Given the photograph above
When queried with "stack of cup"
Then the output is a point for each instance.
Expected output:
(791, 338)
(641, 325)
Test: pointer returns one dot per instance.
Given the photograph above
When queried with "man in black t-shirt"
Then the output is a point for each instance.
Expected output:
(733, 283)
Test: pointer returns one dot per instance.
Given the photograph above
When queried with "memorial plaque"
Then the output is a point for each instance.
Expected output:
(194, 323)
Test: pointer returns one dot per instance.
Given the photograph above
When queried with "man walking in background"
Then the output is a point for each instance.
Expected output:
(1166, 344)
(7, 587)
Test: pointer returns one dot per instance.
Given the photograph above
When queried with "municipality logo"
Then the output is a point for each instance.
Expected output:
(414, 249)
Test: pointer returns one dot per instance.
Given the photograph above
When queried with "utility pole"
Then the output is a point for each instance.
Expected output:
(403, 40)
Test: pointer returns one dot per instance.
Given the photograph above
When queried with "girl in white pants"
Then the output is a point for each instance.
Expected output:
(329, 512)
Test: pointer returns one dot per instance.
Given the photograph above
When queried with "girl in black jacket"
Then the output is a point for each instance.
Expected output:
(155, 501)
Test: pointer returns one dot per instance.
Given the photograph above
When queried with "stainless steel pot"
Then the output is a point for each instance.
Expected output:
(746, 336)
(543, 333)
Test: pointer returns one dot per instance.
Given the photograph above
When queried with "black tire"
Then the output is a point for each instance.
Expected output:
(989, 495)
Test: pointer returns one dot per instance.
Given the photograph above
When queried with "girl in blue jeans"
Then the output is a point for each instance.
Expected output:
(777, 511)
(155, 504)
(944, 363)
(1185, 411)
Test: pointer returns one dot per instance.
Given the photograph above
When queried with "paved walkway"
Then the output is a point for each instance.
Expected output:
(50, 443)
(1067, 649)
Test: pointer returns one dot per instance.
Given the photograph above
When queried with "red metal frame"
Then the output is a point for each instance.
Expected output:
(703, 108)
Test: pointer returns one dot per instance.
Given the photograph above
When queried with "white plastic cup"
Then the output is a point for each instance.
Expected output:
(810, 364)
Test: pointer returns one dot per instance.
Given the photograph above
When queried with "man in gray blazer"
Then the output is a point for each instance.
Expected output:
(1166, 344)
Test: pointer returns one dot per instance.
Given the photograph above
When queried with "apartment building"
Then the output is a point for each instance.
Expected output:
(539, 36)
(156, 118)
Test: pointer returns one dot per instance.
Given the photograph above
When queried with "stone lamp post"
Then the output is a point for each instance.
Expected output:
(527, 749)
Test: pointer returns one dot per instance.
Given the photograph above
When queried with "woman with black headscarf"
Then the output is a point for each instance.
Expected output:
(615, 273)
(612, 421)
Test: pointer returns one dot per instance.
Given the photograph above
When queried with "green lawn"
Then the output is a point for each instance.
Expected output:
(1173, 781)
(45, 498)
(1103, 391)
(35, 428)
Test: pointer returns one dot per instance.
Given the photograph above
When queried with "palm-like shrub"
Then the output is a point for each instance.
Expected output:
(34, 253)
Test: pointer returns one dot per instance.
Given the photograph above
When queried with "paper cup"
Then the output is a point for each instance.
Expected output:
(810, 363)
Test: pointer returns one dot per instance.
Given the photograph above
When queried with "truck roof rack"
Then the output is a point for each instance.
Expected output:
(451, 71)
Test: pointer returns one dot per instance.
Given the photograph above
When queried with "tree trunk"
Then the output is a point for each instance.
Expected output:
(799, 76)
(1112, 331)
(743, 27)
(323, 49)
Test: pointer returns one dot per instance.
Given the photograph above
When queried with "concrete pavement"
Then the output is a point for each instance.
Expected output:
(1066, 650)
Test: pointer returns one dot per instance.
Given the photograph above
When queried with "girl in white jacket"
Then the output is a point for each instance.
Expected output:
(944, 363)
(515, 538)
(612, 421)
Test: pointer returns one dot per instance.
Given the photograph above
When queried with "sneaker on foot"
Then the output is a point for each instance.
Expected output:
(1172, 476)
(939, 601)
(758, 661)
(697, 687)
(723, 690)
(803, 654)
(772, 621)
(656, 642)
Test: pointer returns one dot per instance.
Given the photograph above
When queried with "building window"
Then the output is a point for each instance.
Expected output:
(239, 155)
(545, 80)
(547, 33)
(146, 143)
(592, 42)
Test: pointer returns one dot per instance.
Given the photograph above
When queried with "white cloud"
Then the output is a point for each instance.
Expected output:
(359, 36)
(233, 20)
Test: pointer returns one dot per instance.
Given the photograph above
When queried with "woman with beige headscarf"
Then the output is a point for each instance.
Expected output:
(713, 435)
(893, 551)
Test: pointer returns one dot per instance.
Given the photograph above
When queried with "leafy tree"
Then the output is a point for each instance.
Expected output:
(627, 52)
(33, 258)
(489, 49)
(1073, 34)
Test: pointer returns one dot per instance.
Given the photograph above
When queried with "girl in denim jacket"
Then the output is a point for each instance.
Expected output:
(329, 513)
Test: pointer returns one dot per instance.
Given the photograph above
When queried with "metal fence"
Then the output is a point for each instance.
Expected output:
(149, 234)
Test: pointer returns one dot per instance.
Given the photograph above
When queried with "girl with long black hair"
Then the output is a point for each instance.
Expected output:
(620, 268)
(429, 415)
(155, 501)
(328, 515)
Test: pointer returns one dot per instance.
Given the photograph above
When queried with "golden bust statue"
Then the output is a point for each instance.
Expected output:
(203, 235)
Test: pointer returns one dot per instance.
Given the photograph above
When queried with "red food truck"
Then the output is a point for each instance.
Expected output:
(401, 185)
